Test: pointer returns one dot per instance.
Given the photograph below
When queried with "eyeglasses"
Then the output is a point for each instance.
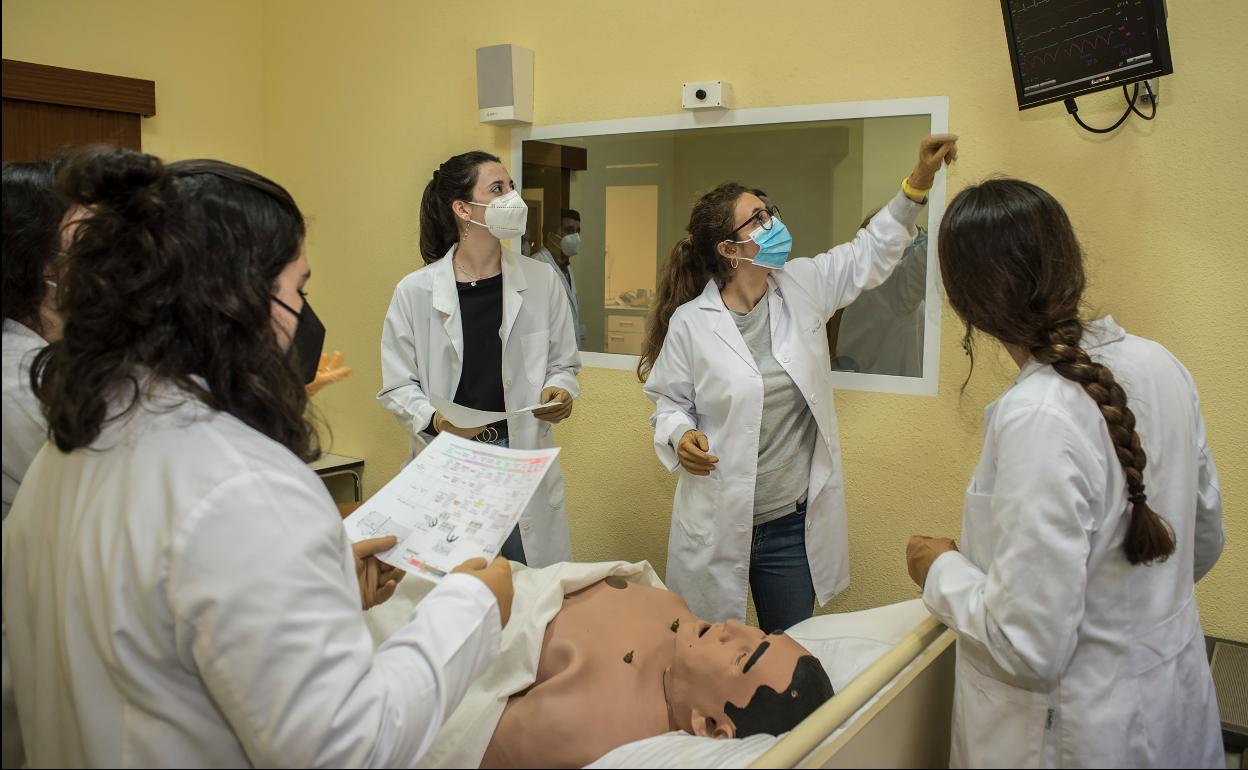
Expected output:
(761, 218)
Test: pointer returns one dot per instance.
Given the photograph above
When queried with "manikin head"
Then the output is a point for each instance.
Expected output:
(729, 680)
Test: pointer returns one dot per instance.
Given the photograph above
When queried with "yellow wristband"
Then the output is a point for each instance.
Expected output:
(912, 192)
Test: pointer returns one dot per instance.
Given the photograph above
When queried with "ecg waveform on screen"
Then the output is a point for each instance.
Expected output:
(1063, 7)
(1064, 24)
(1077, 48)
(1061, 42)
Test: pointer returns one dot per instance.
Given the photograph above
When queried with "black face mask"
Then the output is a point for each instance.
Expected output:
(309, 339)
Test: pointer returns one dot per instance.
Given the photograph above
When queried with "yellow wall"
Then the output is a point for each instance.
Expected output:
(205, 57)
(361, 100)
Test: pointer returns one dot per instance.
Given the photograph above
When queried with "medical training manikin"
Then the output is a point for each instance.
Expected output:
(599, 655)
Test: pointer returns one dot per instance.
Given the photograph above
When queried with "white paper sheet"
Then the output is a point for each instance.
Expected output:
(457, 500)
(467, 417)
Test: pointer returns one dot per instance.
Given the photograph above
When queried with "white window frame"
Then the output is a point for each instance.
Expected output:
(937, 107)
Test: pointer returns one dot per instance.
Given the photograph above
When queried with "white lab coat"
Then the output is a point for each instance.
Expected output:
(882, 331)
(1068, 656)
(569, 286)
(706, 378)
(422, 345)
(25, 430)
(183, 594)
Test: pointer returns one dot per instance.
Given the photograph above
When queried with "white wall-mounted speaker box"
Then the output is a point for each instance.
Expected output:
(505, 84)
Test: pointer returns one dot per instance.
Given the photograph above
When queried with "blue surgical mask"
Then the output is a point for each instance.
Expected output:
(774, 245)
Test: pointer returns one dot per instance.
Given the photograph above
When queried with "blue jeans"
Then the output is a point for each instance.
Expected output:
(784, 593)
(513, 547)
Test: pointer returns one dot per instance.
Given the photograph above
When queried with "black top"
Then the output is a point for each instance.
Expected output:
(481, 316)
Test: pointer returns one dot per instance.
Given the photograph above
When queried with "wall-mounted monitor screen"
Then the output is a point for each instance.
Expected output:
(1065, 48)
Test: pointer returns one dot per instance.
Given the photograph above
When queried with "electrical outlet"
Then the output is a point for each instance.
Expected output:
(1155, 85)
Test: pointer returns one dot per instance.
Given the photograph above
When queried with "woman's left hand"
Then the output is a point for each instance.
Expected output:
(922, 551)
(378, 580)
(559, 411)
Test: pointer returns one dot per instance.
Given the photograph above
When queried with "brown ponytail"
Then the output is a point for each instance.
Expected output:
(1012, 268)
(692, 263)
(1149, 538)
(452, 181)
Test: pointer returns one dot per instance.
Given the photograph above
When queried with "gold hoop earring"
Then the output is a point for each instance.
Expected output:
(735, 263)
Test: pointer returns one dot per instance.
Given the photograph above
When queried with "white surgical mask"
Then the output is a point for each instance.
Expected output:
(570, 244)
(505, 216)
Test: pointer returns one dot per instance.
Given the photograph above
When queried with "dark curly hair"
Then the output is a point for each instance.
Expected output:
(32, 220)
(171, 279)
(1013, 269)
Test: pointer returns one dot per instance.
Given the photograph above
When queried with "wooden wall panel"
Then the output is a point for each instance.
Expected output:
(77, 88)
(34, 131)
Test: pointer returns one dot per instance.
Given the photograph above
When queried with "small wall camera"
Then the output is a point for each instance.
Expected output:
(710, 94)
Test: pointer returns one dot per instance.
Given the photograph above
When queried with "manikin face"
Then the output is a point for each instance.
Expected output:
(724, 663)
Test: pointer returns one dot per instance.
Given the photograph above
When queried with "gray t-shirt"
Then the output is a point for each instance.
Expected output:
(786, 440)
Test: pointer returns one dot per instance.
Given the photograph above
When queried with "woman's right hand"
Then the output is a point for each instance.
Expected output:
(934, 151)
(443, 425)
(497, 578)
(693, 452)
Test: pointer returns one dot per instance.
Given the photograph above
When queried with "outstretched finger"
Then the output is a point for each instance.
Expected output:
(373, 546)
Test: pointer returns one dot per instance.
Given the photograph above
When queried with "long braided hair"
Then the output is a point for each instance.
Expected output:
(1013, 269)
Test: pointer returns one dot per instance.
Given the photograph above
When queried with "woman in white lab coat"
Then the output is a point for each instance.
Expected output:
(737, 365)
(32, 218)
(882, 331)
(484, 327)
(1092, 513)
(178, 586)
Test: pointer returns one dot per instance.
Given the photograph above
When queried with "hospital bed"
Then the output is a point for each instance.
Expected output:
(896, 713)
